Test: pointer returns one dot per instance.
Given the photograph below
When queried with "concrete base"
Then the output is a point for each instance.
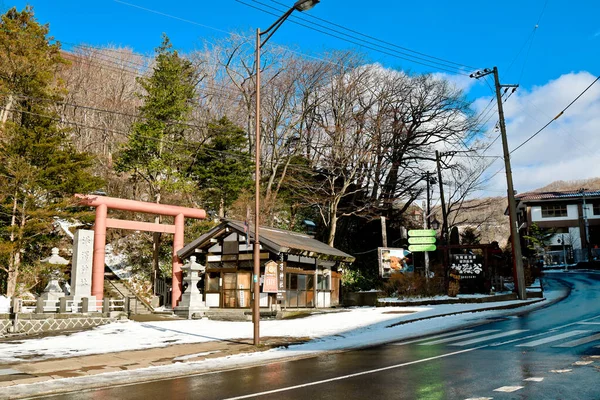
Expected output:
(194, 312)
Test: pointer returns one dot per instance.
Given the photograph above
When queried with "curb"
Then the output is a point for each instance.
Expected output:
(504, 307)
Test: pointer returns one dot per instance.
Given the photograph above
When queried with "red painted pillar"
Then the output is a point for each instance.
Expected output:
(98, 260)
(177, 283)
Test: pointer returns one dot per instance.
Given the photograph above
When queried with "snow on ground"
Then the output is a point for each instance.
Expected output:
(351, 328)
(117, 263)
(4, 305)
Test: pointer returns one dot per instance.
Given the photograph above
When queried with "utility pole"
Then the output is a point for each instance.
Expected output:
(585, 224)
(444, 213)
(426, 225)
(428, 207)
(562, 238)
(383, 232)
(512, 208)
(446, 252)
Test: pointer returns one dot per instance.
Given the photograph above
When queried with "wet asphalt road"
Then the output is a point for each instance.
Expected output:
(550, 353)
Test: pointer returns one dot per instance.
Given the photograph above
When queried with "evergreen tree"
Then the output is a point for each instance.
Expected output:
(40, 170)
(469, 236)
(538, 238)
(223, 168)
(156, 152)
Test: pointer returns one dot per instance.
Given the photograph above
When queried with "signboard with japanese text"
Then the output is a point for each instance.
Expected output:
(422, 232)
(467, 269)
(270, 278)
(422, 240)
(421, 247)
(280, 282)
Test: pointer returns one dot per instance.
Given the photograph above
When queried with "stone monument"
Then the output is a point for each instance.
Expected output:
(81, 269)
(48, 300)
(191, 304)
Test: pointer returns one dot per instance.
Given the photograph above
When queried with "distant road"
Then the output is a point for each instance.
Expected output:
(550, 353)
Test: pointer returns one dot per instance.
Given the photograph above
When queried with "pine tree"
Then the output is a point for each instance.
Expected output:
(223, 168)
(156, 152)
(538, 238)
(40, 170)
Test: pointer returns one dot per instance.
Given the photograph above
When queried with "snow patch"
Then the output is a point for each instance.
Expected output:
(4, 305)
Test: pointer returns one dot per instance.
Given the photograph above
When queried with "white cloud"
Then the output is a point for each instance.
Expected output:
(462, 82)
(566, 150)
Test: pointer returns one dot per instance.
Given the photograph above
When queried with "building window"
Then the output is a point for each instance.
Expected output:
(300, 290)
(596, 208)
(554, 211)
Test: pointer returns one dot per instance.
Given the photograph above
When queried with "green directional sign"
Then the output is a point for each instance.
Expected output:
(422, 240)
(421, 247)
(421, 232)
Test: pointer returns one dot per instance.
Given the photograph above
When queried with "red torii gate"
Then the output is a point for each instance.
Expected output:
(103, 203)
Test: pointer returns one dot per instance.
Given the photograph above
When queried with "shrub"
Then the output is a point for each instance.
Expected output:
(453, 288)
(413, 285)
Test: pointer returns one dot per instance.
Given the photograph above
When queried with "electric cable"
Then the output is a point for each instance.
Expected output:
(557, 116)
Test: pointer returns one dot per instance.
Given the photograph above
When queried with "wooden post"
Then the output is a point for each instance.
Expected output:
(383, 232)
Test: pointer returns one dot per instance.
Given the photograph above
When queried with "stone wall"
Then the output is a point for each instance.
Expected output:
(31, 324)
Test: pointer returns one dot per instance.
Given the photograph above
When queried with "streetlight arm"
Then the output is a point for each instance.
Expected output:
(300, 5)
(273, 28)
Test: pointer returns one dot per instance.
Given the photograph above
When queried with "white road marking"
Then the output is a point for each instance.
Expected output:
(574, 323)
(579, 342)
(508, 389)
(582, 362)
(339, 378)
(588, 323)
(490, 337)
(433, 337)
(561, 371)
(518, 339)
(465, 336)
(480, 398)
(534, 379)
(552, 338)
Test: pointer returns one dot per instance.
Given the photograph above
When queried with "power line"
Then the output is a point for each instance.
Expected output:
(250, 40)
(429, 57)
(370, 47)
(557, 116)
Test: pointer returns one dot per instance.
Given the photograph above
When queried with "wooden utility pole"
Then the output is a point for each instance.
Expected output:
(512, 208)
(444, 213)
(586, 225)
(383, 232)
(428, 206)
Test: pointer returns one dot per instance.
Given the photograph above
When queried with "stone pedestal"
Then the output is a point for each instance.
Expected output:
(48, 300)
(191, 304)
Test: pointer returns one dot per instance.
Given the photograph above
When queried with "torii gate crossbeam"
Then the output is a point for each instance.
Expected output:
(103, 203)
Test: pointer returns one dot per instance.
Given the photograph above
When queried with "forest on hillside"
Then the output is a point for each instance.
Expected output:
(343, 143)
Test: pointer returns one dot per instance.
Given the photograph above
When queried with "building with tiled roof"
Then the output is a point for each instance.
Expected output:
(573, 216)
(307, 272)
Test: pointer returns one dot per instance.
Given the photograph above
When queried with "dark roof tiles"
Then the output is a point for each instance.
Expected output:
(555, 195)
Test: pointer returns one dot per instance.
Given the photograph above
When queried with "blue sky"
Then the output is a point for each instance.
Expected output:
(556, 60)
(466, 32)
